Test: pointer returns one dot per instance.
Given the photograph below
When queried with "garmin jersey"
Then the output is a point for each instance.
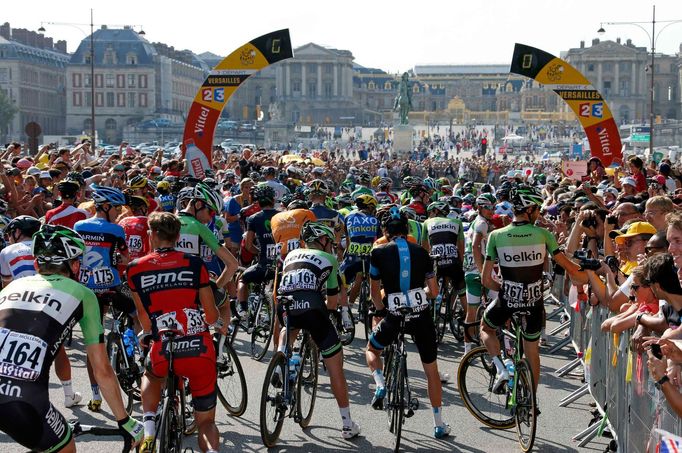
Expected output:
(137, 235)
(443, 235)
(102, 242)
(479, 225)
(194, 235)
(329, 217)
(521, 249)
(286, 228)
(37, 314)
(260, 225)
(16, 260)
(168, 283)
(309, 275)
(362, 230)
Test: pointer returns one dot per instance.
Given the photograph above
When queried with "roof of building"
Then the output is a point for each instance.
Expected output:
(13, 50)
(425, 70)
(122, 41)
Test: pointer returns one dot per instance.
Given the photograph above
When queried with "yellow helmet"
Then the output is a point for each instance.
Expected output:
(375, 181)
(365, 201)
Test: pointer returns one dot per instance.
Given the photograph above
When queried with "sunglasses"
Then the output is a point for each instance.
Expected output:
(648, 249)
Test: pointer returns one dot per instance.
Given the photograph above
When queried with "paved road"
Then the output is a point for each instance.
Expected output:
(555, 426)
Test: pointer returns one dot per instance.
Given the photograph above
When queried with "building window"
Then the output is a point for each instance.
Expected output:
(99, 99)
(131, 99)
(88, 99)
(120, 81)
(590, 67)
(77, 99)
(131, 80)
(131, 58)
(87, 80)
(98, 80)
(607, 87)
(387, 86)
(295, 116)
(312, 88)
(607, 66)
(624, 88)
(76, 80)
(328, 90)
(624, 66)
(328, 68)
(110, 124)
(143, 80)
(143, 99)
(109, 80)
(110, 99)
(371, 85)
(110, 56)
(671, 93)
(296, 86)
(120, 99)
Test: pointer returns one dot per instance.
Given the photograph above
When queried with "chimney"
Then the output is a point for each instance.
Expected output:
(41, 41)
(49, 45)
(618, 40)
(628, 43)
(595, 41)
(19, 35)
(60, 46)
(582, 44)
(6, 31)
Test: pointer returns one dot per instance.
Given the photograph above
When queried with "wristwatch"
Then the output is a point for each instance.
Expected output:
(662, 381)
(638, 319)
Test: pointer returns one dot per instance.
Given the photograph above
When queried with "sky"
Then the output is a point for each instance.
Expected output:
(393, 36)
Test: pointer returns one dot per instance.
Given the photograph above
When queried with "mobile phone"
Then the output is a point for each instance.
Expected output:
(656, 351)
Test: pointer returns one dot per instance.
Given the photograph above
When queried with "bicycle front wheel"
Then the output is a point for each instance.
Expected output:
(231, 382)
(262, 329)
(395, 396)
(525, 412)
(273, 407)
(306, 385)
(475, 378)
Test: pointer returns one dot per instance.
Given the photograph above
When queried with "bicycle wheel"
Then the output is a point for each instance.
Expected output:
(525, 412)
(456, 318)
(169, 434)
(475, 378)
(364, 308)
(306, 385)
(129, 379)
(231, 382)
(395, 397)
(346, 338)
(261, 335)
(273, 407)
(439, 317)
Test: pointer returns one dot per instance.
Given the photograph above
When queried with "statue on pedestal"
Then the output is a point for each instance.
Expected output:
(403, 102)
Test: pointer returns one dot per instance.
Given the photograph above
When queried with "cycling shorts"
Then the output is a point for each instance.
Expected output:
(257, 273)
(194, 358)
(420, 327)
(455, 273)
(497, 314)
(34, 422)
(116, 297)
(352, 266)
(318, 324)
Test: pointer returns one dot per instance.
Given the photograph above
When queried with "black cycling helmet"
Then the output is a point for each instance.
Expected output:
(68, 188)
(264, 194)
(26, 224)
(56, 244)
(318, 187)
(394, 221)
(75, 177)
(313, 231)
(297, 204)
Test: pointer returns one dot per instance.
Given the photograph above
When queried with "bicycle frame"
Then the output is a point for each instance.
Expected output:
(516, 358)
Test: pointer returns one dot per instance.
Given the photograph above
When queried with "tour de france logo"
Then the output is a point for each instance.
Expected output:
(247, 57)
(555, 72)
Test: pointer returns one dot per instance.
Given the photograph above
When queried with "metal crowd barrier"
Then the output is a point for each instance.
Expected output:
(617, 379)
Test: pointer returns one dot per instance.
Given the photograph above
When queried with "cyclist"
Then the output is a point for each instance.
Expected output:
(172, 291)
(403, 268)
(135, 227)
(66, 214)
(420, 197)
(384, 186)
(38, 330)
(363, 188)
(310, 276)
(521, 249)
(476, 240)
(106, 248)
(141, 186)
(258, 231)
(345, 203)
(167, 199)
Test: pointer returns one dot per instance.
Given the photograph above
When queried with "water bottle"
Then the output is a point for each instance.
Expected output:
(129, 341)
(294, 365)
(511, 369)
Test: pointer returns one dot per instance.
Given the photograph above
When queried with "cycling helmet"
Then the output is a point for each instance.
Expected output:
(430, 183)
(443, 181)
(468, 187)
(56, 244)
(26, 224)
(210, 182)
(102, 194)
(185, 193)
(469, 199)
(312, 231)
(409, 212)
(487, 188)
(447, 190)
(365, 201)
(136, 201)
(485, 202)
(255, 176)
(209, 196)
(287, 198)
(344, 199)
(163, 187)
(383, 209)
(524, 196)
(375, 181)
(384, 182)
(348, 186)
(365, 178)
(394, 218)
(297, 204)
(264, 194)
(75, 177)
(409, 181)
(138, 182)
(383, 198)
(440, 206)
(417, 189)
(68, 188)
(318, 187)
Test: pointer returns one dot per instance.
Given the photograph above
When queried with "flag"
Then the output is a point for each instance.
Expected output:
(669, 443)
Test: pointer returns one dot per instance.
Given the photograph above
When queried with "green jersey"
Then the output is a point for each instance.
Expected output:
(443, 235)
(194, 235)
(362, 190)
(415, 230)
(481, 226)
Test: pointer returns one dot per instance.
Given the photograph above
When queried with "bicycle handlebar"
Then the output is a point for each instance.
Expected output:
(78, 430)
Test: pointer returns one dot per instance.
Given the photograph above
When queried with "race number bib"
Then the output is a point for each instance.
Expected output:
(100, 276)
(444, 250)
(513, 292)
(299, 279)
(168, 321)
(22, 355)
(396, 302)
(469, 261)
(518, 295)
(271, 251)
(135, 243)
(195, 322)
(415, 300)
(293, 244)
(357, 249)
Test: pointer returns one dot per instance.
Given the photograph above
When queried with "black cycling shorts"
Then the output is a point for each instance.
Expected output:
(420, 327)
(455, 273)
(318, 324)
(34, 423)
(257, 274)
(351, 267)
(497, 314)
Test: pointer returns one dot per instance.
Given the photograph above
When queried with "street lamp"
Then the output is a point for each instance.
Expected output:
(653, 37)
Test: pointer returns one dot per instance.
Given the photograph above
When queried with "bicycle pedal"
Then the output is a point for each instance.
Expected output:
(409, 413)
(414, 404)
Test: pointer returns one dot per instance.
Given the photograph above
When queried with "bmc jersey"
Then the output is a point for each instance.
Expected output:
(194, 235)
(362, 230)
(521, 249)
(65, 215)
(309, 274)
(260, 225)
(479, 225)
(37, 313)
(137, 235)
(16, 260)
(98, 264)
(286, 228)
(168, 283)
(443, 235)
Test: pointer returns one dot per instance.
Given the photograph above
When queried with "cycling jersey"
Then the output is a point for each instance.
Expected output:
(362, 230)
(194, 235)
(479, 225)
(279, 188)
(390, 197)
(329, 217)
(260, 225)
(98, 264)
(345, 211)
(167, 202)
(16, 260)
(361, 190)
(137, 235)
(37, 314)
(443, 235)
(415, 230)
(286, 228)
(419, 208)
(218, 227)
(232, 208)
(65, 215)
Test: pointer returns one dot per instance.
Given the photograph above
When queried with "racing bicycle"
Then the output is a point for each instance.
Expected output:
(125, 357)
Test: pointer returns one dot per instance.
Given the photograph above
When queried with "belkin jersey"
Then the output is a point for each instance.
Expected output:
(98, 264)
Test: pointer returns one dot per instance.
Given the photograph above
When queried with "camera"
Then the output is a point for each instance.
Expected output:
(590, 222)
(612, 220)
(612, 262)
(585, 262)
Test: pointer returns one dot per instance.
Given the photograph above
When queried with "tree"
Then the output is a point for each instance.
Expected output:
(7, 112)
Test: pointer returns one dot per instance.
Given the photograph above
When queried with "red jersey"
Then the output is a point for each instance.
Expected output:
(65, 215)
(168, 283)
(137, 236)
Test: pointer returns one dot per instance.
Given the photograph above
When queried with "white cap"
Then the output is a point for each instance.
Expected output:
(45, 174)
(628, 180)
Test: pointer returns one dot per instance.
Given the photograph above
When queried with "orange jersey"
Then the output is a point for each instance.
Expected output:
(383, 240)
(286, 228)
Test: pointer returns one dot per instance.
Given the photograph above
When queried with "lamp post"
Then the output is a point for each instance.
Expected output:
(653, 37)
(92, 66)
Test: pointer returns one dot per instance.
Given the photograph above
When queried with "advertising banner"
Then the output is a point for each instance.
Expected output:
(574, 169)
(586, 102)
(219, 86)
